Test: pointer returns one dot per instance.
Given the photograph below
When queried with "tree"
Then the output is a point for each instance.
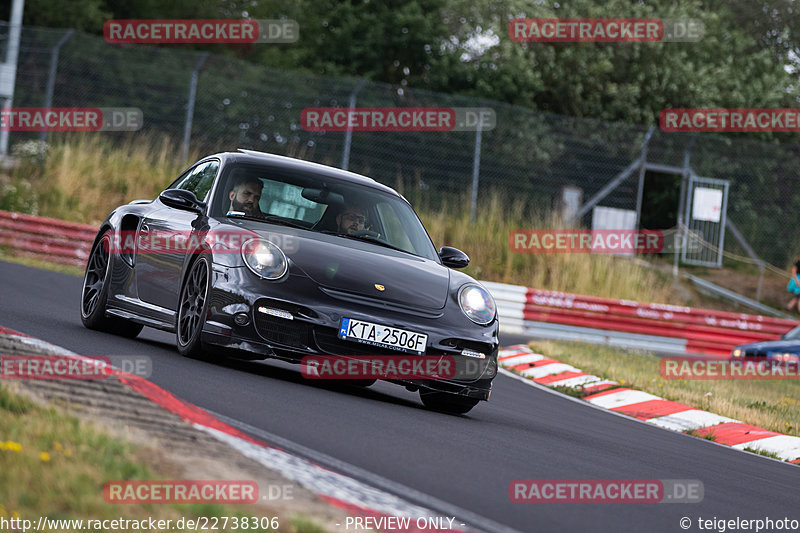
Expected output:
(612, 81)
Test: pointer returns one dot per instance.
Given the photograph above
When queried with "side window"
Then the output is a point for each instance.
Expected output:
(286, 200)
(200, 179)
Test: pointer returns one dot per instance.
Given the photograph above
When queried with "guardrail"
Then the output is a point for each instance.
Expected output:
(626, 323)
(544, 314)
(48, 239)
(707, 287)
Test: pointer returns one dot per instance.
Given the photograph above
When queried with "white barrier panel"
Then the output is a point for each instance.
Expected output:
(511, 301)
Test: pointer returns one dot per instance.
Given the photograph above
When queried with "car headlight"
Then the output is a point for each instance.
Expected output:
(785, 357)
(477, 304)
(264, 258)
(737, 352)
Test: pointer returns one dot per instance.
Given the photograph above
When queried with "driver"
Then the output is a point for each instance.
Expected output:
(351, 220)
(245, 195)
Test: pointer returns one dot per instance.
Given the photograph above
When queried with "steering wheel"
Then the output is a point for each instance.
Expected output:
(366, 233)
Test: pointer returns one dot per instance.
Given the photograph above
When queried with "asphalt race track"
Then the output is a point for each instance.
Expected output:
(468, 462)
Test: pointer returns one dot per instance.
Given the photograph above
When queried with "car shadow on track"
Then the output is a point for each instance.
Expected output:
(277, 369)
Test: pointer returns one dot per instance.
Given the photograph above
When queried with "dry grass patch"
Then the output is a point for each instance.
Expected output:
(85, 176)
(486, 242)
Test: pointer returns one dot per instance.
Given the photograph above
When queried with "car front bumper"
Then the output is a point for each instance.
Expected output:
(309, 322)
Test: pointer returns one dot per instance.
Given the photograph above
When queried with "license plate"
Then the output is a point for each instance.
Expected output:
(382, 336)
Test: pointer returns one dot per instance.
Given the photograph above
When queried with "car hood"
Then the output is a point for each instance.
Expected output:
(770, 346)
(358, 267)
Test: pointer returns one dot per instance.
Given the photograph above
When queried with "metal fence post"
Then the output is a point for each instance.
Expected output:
(187, 131)
(680, 233)
(642, 170)
(51, 77)
(348, 136)
(10, 66)
(476, 165)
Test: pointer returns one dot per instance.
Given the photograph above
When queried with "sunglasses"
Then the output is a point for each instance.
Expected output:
(353, 217)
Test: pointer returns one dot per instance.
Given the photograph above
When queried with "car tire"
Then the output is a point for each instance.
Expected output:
(447, 403)
(193, 305)
(94, 293)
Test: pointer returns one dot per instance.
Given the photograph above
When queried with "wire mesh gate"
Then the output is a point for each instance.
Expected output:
(706, 209)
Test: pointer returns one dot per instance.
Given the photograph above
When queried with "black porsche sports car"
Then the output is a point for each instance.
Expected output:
(258, 256)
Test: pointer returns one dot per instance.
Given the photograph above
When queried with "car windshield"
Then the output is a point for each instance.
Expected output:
(322, 204)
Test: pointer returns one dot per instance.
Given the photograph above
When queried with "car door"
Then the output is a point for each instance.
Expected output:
(159, 259)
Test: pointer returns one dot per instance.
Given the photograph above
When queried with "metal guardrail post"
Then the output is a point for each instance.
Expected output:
(51, 77)
(348, 136)
(187, 131)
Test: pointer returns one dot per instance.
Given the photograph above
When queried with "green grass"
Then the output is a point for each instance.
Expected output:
(7, 256)
(765, 453)
(575, 392)
(708, 436)
(770, 404)
(56, 466)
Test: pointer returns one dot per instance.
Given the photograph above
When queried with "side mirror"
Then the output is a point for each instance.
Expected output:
(453, 257)
(181, 199)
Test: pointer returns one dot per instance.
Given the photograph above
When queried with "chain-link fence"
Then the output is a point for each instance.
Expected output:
(529, 155)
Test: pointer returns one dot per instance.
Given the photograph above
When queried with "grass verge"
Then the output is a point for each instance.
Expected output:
(7, 256)
(765, 453)
(770, 404)
(55, 466)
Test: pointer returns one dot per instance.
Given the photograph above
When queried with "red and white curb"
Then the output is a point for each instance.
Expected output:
(355, 497)
(647, 407)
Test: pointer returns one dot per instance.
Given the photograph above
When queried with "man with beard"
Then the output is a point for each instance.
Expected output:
(245, 195)
(351, 220)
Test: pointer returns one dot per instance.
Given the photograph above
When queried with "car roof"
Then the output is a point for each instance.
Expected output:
(254, 157)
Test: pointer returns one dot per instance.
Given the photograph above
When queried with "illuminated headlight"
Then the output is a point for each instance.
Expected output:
(264, 258)
(786, 357)
(737, 352)
(477, 304)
